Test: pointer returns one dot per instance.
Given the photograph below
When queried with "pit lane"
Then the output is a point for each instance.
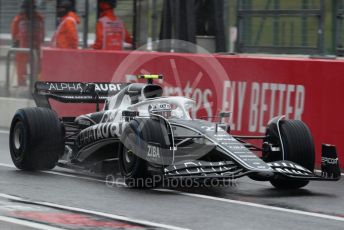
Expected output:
(245, 205)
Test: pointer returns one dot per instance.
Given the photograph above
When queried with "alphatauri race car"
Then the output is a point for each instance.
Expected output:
(142, 134)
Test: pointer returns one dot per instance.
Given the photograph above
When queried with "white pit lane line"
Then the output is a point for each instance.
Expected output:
(28, 224)
(4, 132)
(86, 211)
(223, 200)
(263, 206)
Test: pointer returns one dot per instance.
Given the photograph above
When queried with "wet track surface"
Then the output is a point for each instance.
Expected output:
(74, 197)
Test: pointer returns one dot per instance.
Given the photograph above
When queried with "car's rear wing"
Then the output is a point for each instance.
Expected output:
(74, 92)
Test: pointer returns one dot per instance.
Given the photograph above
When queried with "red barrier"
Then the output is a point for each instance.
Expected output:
(254, 88)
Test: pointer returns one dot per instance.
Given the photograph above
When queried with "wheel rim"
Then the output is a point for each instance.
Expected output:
(129, 160)
(17, 139)
(129, 156)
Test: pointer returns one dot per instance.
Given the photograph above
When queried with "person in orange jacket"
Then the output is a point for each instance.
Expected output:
(21, 36)
(66, 34)
(110, 30)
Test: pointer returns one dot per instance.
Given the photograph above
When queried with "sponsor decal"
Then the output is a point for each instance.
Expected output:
(209, 128)
(153, 152)
(159, 107)
(329, 161)
(236, 147)
(194, 167)
(65, 87)
(99, 132)
(221, 135)
(79, 87)
(258, 101)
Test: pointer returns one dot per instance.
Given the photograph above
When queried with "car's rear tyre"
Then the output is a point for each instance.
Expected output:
(137, 171)
(299, 148)
(36, 139)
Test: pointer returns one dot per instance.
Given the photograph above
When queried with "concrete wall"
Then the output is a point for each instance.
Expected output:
(8, 107)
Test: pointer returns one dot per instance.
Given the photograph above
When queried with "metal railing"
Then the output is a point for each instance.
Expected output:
(272, 28)
(33, 71)
(339, 26)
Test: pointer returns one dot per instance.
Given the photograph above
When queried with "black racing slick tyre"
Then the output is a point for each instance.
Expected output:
(299, 148)
(36, 139)
(132, 167)
(137, 171)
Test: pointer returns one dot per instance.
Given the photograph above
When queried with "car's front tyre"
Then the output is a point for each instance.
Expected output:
(298, 147)
(136, 170)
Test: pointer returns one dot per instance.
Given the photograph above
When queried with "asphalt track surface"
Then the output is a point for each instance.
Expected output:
(245, 205)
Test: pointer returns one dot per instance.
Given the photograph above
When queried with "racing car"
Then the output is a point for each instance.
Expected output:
(142, 134)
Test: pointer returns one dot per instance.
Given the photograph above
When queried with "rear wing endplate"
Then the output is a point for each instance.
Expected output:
(74, 92)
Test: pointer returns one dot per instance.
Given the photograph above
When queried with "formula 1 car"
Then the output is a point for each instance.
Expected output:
(146, 135)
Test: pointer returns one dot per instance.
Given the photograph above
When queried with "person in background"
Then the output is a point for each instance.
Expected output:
(66, 34)
(21, 34)
(110, 30)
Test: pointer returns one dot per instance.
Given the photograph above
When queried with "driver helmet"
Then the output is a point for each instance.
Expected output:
(164, 110)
